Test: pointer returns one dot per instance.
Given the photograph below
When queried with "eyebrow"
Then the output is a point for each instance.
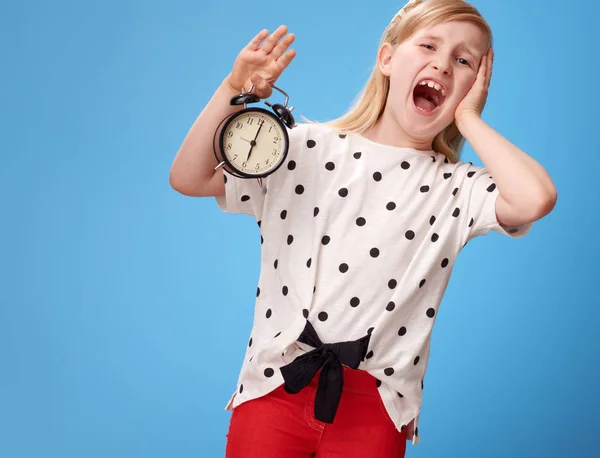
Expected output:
(460, 45)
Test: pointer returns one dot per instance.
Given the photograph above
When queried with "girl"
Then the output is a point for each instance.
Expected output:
(360, 230)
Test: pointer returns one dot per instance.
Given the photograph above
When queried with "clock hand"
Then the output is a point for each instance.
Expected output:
(253, 142)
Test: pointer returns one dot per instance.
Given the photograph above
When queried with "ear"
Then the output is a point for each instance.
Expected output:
(384, 59)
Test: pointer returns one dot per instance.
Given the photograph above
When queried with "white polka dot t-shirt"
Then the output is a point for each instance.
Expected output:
(357, 238)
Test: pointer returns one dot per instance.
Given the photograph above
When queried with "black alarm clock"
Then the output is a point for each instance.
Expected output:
(253, 142)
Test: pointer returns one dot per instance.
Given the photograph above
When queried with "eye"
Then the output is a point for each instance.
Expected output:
(425, 46)
(466, 62)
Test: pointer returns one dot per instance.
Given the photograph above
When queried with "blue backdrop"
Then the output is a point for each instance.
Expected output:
(121, 334)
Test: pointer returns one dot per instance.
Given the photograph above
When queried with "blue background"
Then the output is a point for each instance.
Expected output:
(125, 307)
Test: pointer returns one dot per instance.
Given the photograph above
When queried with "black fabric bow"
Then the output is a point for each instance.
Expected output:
(330, 357)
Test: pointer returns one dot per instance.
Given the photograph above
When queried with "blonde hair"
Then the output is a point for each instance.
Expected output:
(370, 104)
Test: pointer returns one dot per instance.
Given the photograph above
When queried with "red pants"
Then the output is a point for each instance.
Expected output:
(282, 425)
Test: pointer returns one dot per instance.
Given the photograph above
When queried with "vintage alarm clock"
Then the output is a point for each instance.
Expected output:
(253, 142)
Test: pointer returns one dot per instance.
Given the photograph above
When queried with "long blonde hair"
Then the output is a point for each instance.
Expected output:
(370, 103)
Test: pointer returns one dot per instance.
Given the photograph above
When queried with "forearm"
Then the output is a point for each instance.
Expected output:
(194, 164)
(521, 180)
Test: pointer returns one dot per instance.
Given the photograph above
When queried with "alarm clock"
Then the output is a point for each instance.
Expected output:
(253, 142)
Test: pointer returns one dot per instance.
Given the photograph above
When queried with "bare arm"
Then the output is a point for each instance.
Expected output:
(192, 171)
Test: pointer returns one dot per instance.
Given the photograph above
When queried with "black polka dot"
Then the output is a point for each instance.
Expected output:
(456, 212)
(400, 395)
(290, 239)
(269, 372)
(370, 330)
(276, 263)
(377, 383)
(241, 388)
(389, 371)
(343, 192)
(455, 191)
(471, 222)
(299, 189)
(330, 166)
(354, 302)
(323, 316)
(435, 237)
(224, 178)
(259, 223)
(250, 342)
(325, 240)
(245, 198)
(343, 135)
(391, 306)
(269, 313)
(392, 284)
(283, 214)
(445, 262)
(309, 262)
(431, 220)
(257, 292)
(316, 211)
(314, 289)
(374, 252)
(405, 165)
(403, 427)
(430, 312)
(310, 143)
(447, 175)
(402, 331)
(361, 221)
(470, 174)
(357, 155)
(417, 431)
(291, 165)
(409, 235)
(305, 313)
(422, 283)
(285, 290)
(390, 206)
(416, 361)
(446, 160)
(491, 187)
(277, 335)
(369, 355)
(377, 176)
(343, 268)
(422, 385)
(424, 188)
(262, 240)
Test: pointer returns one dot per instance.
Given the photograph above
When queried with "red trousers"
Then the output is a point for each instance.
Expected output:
(282, 425)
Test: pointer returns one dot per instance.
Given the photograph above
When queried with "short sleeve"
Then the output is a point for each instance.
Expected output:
(246, 195)
(481, 195)
(243, 195)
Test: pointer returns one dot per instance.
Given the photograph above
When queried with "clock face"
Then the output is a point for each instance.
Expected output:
(254, 142)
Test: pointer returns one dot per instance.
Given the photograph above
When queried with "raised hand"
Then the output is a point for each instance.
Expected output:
(262, 62)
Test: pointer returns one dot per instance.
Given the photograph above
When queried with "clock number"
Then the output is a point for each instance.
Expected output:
(228, 145)
(276, 139)
(250, 121)
(229, 134)
(234, 157)
(274, 151)
(244, 164)
(257, 166)
(238, 125)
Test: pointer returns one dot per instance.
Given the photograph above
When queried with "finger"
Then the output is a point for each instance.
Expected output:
(282, 46)
(261, 87)
(270, 42)
(255, 42)
(285, 60)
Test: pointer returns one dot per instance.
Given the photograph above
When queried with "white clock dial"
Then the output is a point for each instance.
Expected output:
(254, 143)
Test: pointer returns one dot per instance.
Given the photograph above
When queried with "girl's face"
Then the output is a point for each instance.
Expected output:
(448, 54)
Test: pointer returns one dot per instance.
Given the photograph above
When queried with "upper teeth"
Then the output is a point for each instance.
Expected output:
(434, 85)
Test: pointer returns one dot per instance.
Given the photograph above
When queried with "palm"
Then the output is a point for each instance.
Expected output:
(261, 65)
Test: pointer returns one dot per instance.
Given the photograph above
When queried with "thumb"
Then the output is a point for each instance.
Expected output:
(263, 88)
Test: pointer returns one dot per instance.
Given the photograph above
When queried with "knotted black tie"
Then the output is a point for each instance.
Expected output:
(330, 357)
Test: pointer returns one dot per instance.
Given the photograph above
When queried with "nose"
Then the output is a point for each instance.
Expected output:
(442, 66)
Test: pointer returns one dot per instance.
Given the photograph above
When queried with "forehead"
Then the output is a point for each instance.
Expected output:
(456, 33)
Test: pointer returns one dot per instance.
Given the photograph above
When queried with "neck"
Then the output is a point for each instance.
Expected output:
(387, 131)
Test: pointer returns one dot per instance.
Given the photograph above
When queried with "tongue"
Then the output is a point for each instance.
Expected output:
(424, 104)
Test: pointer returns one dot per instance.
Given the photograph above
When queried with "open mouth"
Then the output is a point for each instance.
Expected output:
(428, 96)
